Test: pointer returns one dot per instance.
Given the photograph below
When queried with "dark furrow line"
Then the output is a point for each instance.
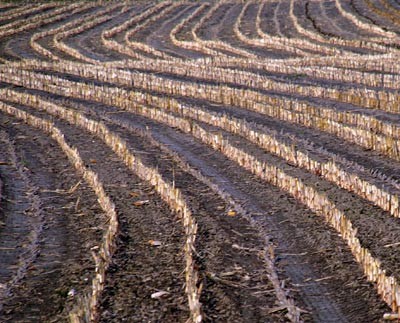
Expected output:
(87, 42)
(160, 39)
(71, 227)
(262, 119)
(135, 119)
(22, 220)
(297, 273)
(212, 240)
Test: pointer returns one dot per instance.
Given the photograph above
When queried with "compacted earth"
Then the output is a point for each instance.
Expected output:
(220, 161)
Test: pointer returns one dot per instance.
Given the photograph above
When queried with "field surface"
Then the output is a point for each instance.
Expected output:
(222, 161)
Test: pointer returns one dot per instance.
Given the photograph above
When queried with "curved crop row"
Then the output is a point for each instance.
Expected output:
(387, 286)
(323, 119)
(361, 24)
(37, 21)
(330, 170)
(168, 192)
(86, 309)
(280, 108)
(100, 18)
(34, 40)
(336, 41)
(217, 44)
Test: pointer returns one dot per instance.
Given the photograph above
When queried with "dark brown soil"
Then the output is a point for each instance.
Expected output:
(221, 171)
(232, 271)
(50, 218)
(71, 226)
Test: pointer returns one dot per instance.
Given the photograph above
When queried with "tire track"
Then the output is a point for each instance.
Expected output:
(61, 260)
(214, 142)
(205, 232)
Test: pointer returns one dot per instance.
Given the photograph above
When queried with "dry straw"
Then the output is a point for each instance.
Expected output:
(361, 43)
(167, 191)
(214, 43)
(361, 24)
(86, 310)
(387, 285)
(19, 12)
(131, 49)
(98, 19)
(140, 21)
(300, 47)
(192, 45)
(37, 21)
(330, 170)
(34, 40)
(364, 130)
(353, 127)
(148, 174)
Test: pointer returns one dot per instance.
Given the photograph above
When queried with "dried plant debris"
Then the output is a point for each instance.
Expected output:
(199, 161)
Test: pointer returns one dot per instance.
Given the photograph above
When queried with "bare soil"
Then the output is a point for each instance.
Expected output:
(50, 219)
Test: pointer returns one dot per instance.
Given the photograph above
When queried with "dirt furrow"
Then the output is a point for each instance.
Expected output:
(257, 93)
(21, 218)
(87, 42)
(363, 10)
(228, 277)
(385, 14)
(48, 41)
(286, 24)
(119, 36)
(72, 225)
(210, 30)
(269, 20)
(329, 131)
(235, 161)
(234, 278)
(320, 140)
(372, 223)
(149, 257)
(21, 47)
(325, 28)
(339, 198)
(159, 38)
(317, 311)
(248, 26)
(342, 23)
(314, 294)
(226, 32)
(288, 145)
